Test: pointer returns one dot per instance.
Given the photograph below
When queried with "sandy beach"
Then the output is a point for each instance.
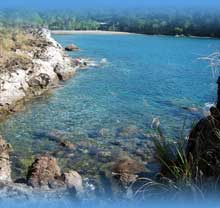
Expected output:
(91, 32)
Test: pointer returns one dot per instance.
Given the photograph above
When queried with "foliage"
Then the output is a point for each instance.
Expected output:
(12, 43)
(145, 21)
(175, 180)
(193, 175)
(172, 157)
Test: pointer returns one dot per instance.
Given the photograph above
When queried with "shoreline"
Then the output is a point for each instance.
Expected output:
(48, 65)
(104, 32)
(89, 32)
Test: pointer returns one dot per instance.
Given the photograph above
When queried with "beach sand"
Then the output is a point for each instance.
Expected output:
(90, 32)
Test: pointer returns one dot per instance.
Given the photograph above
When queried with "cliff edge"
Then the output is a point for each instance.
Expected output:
(31, 62)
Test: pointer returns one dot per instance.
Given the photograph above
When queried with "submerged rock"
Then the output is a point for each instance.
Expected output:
(5, 166)
(191, 109)
(67, 144)
(104, 156)
(130, 131)
(127, 170)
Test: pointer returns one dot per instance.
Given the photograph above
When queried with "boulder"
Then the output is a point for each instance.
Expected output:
(71, 47)
(73, 180)
(44, 173)
(5, 167)
(127, 170)
(62, 72)
(203, 146)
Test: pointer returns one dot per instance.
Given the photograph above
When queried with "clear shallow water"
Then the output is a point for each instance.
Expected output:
(145, 77)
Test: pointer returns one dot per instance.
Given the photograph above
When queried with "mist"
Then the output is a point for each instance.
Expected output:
(97, 4)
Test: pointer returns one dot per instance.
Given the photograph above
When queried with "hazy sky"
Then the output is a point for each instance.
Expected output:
(71, 4)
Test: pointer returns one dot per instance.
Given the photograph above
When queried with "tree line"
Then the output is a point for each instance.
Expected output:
(146, 21)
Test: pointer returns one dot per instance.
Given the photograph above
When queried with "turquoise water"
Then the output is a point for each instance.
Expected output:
(107, 111)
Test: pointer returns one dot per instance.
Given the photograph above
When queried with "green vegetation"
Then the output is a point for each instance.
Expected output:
(175, 179)
(192, 173)
(172, 157)
(145, 21)
(14, 46)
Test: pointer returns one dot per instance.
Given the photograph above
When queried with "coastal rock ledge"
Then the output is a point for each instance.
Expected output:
(33, 70)
(44, 178)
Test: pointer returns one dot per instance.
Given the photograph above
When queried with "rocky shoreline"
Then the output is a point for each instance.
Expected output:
(44, 177)
(41, 68)
(119, 173)
(47, 65)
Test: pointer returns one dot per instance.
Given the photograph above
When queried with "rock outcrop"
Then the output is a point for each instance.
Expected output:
(73, 180)
(44, 172)
(34, 72)
(5, 166)
(44, 176)
(204, 145)
(71, 47)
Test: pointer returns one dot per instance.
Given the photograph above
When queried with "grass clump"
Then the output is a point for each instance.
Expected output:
(15, 61)
(173, 159)
(190, 173)
(14, 48)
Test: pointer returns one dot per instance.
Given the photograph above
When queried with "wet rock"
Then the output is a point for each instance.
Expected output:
(57, 184)
(43, 172)
(93, 151)
(85, 144)
(140, 153)
(68, 145)
(152, 135)
(5, 166)
(62, 73)
(116, 143)
(104, 156)
(54, 135)
(127, 170)
(94, 134)
(191, 109)
(104, 132)
(73, 180)
(128, 132)
(71, 47)
(10, 190)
